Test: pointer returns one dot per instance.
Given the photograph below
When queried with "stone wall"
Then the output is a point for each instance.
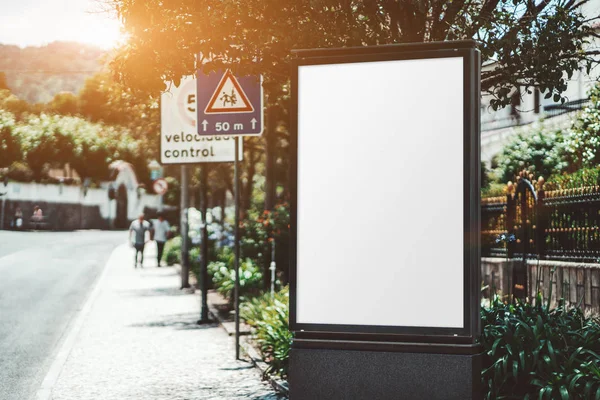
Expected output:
(57, 216)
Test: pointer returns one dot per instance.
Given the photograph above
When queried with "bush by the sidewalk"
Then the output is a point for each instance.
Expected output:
(223, 277)
(530, 351)
(172, 252)
(534, 352)
(259, 230)
(269, 315)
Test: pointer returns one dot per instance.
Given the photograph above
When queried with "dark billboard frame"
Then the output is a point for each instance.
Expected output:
(468, 334)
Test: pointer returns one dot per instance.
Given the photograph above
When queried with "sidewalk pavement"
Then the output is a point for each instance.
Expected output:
(137, 338)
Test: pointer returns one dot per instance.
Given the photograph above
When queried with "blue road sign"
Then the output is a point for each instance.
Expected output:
(229, 105)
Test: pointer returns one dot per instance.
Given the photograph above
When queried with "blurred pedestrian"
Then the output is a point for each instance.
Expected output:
(139, 227)
(37, 216)
(17, 222)
(161, 232)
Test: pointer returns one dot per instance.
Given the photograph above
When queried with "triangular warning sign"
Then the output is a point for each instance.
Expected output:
(229, 97)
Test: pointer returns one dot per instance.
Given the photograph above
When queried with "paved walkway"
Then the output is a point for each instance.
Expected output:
(137, 338)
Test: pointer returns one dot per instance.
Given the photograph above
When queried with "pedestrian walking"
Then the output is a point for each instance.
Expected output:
(161, 232)
(139, 227)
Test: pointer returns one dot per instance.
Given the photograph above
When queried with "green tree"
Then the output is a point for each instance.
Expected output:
(64, 103)
(10, 148)
(104, 100)
(582, 141)
(531, 43)
(11, 103)
(95, 100)
(540, 152)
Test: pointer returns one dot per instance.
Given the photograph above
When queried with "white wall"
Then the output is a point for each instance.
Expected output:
(18, 191)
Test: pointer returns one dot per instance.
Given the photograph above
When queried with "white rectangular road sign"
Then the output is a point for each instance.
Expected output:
(180, 142)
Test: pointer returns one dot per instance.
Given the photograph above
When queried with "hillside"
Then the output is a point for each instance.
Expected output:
(36, 74)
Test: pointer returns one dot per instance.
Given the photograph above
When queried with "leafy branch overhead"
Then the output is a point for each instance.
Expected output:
(524, 43)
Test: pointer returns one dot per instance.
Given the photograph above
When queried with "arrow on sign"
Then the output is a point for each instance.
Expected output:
(204, 124)
(253, 121)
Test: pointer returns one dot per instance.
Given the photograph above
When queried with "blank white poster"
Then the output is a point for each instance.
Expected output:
(380, 193)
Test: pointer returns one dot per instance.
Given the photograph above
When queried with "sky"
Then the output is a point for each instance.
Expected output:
(38, 22)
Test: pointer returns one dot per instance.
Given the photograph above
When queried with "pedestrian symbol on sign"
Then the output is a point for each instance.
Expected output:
(228, 99)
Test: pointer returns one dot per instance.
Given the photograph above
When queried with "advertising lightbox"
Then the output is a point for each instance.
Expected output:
(385, 193)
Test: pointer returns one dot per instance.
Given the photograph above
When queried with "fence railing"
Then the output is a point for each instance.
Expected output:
(554, 225)
(555, 110)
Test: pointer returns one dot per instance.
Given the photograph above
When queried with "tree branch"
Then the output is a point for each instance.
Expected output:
(440, 29)
(484, 15)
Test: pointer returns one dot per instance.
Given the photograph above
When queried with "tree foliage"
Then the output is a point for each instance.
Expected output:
(45, 140)
(64, 103)
(532, 43)
(582, 142)
(554, 152)
(541, 152)
(10, 148)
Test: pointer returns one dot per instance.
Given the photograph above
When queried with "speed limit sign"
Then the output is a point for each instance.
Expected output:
(160, 186)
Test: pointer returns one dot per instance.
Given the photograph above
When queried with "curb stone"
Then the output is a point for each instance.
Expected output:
(248, 348)
(276, 383)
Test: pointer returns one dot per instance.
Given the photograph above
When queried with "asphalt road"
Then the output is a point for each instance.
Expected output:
(45, 278)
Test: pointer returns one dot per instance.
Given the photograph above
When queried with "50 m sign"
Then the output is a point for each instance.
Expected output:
(229, 105)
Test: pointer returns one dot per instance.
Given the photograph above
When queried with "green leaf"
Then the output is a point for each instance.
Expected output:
(564, 393)
(522, 359)
(495, 345)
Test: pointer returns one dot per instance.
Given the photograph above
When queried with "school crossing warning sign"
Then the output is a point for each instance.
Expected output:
(229, 97)
(229, 105)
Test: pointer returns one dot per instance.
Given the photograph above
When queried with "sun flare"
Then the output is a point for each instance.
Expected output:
(83, 21)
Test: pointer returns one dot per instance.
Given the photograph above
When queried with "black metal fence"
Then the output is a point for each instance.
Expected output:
(555, 110)
(553, 225)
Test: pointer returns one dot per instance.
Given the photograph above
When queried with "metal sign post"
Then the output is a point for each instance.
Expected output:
(185, 259)
(236, 183)
(231, 105)
(204, 251)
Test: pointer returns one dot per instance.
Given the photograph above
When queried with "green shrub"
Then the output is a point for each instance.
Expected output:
(583, 177)
(494, 189)
(539, 151)
(581, 144)
(172, 252)
(224, 278)
(20, 172)
(534, 352)
(195, 262)
(269, 315)
(258, 231)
